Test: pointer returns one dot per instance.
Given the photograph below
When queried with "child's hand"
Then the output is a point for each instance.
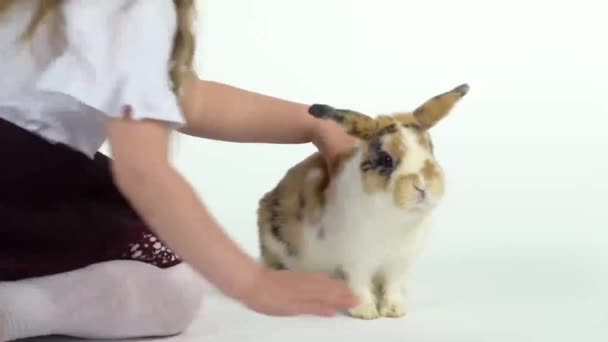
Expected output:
(285, 293)
(333, 142)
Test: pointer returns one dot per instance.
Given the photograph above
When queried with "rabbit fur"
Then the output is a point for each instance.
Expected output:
(369, 223)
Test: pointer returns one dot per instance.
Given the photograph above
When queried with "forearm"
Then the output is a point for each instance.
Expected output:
(222, 112)
(169, 205)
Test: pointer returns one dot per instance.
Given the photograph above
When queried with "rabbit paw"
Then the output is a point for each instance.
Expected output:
(366, 310)
(392, 307)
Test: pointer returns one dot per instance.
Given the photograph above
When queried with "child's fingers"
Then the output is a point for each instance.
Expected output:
(325, 295)
(318, 294)
(336, 292)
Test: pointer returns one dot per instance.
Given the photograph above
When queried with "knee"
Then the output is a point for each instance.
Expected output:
(183, 306)
(167, 299)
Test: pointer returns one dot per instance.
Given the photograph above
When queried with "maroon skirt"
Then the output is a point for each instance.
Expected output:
(60, 211)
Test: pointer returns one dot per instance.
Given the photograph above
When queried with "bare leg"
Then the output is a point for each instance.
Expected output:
(115, 299)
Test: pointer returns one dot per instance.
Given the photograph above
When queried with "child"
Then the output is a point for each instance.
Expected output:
(93, 248)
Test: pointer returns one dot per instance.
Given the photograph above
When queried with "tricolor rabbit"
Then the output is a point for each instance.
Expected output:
(367, 224)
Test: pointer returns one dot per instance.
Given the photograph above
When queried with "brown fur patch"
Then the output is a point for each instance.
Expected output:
(433, 176)
(425, 141)
(404, 192)
(388, 129)
(407, 120)
(435, 109)
(297, 199)
(360, 126)
(365, 127)
(384, 121)
(270, 259)
(430, 171)
(394, 146)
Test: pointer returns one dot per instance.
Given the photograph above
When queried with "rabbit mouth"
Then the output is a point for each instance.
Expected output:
(421, 195)
(421, 208)
(424, 200)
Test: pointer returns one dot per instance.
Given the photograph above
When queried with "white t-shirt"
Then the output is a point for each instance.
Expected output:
(115, 53)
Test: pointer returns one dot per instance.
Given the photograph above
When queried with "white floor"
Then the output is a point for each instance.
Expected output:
(554, 297)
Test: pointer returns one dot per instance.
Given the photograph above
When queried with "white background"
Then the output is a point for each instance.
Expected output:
(519, 248)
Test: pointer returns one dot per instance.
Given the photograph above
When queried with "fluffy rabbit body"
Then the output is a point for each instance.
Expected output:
(368, 224)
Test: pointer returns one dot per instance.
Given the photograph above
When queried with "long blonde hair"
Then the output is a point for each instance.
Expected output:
(184, 42)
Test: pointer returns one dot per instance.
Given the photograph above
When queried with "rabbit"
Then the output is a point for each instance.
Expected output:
(369, 223)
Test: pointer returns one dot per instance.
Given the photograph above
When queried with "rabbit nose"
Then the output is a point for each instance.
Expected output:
(421, 193)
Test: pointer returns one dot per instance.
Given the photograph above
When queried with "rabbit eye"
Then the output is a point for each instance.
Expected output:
(384, 160)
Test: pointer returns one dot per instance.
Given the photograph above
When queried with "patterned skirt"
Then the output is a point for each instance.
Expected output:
(60, 211)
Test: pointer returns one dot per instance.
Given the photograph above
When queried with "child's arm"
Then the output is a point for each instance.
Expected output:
(222, 112)
(171, 208)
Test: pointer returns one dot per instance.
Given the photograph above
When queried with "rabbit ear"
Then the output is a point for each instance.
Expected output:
(435, 109)
(356, 124)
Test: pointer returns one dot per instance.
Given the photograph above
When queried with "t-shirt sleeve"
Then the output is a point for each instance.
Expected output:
(117, 54)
